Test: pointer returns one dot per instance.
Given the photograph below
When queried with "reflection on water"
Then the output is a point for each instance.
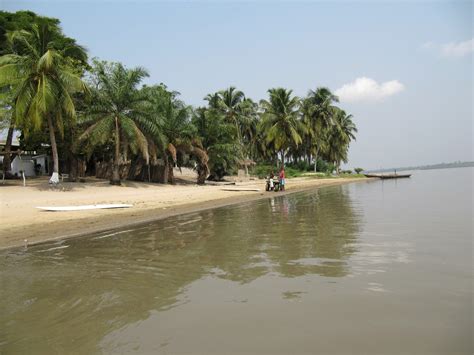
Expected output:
(168, 285)
(112, 279)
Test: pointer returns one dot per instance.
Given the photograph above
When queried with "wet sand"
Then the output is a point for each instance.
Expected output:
(23, 223)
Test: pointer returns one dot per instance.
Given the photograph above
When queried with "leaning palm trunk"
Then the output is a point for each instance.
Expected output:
(170, 173)
(316, 161)
(172, 153)
(116, 165)
(202, 166)
(7, 164)
(54, 149)
(202, 171)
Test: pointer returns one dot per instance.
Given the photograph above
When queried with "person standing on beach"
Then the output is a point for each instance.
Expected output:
(282, 178)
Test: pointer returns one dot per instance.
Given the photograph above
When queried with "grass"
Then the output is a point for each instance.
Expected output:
(351, 176)
(261, 171)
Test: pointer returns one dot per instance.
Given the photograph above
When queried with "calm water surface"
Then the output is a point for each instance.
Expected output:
(373, 268)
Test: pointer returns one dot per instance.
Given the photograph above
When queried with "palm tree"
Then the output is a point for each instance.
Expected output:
(242, 113)
(339, 137)
(213, 100)
(7, 120)
(43, 78)
(248, 122)
(172, 119)
(230, 104)
(280, 120)
(218, 138)
(317, 115)
(117, 111)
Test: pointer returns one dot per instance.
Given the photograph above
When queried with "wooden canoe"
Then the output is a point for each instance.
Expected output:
(388, 176)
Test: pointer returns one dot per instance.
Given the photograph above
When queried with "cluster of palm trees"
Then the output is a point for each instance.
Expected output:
(102, 111)
(286, 128)
(149, 123)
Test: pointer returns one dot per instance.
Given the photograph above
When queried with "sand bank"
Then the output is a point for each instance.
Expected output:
(21, 220)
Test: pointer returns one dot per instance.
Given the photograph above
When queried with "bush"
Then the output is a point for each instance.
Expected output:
(303, 166)
(358, 170)
(262, 170)
(293, 170)
(324, 167)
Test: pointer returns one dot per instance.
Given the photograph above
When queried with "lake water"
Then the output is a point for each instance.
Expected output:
(379, 267)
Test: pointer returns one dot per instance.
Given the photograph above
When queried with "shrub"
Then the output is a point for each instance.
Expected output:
(262, 170)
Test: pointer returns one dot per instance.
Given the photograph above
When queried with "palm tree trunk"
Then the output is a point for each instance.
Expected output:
(54, 149)
(7, 163)
(316, 161)
(165, 170)
(115, 169)
(170, 173)
(202, 174)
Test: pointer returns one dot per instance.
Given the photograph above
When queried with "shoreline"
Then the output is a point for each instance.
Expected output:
(170, 200)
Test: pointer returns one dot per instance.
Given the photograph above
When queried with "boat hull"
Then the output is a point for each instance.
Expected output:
(388, 176)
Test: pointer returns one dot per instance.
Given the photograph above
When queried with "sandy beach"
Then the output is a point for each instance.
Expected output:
(22, 221)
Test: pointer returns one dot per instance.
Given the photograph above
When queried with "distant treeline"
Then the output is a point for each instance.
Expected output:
(457, 164)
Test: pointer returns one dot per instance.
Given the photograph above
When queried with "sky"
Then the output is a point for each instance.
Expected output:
(403, 69)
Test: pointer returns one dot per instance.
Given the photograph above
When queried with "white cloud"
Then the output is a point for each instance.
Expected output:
(453, 49)
(366, 89)
(458, 49)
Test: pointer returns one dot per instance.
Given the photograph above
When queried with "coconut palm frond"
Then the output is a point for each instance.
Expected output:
(11, 73)
(141, 141)
(34, 70)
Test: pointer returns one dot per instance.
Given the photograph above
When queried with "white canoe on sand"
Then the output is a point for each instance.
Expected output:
(83, 207)
(240, 189)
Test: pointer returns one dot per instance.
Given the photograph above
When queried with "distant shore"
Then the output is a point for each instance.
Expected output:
(21, 220)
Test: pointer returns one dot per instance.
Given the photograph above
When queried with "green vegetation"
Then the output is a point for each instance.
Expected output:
(100, 115)
(352, 176)
(305, 170)
(262, 170)
(41, 69)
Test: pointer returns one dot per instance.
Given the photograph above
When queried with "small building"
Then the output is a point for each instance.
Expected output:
(31, 163)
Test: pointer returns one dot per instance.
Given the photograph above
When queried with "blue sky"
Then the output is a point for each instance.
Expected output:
(413, 98)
